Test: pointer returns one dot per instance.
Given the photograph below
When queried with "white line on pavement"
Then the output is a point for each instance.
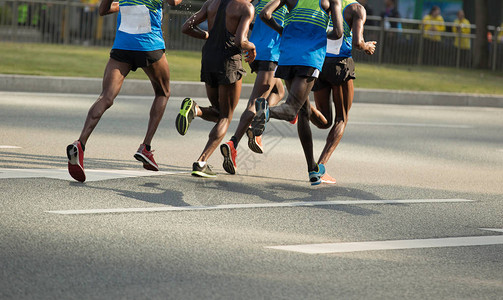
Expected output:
(395, 245)
(413, 125)
(255, 205)
(9, 147)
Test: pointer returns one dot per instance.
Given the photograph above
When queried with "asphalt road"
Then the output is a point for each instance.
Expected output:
(212, 239)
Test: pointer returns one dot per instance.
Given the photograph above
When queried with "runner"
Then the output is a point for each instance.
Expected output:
(336, 80)
(266, 86)
(138, 44)
(221, 69)
(302, 52)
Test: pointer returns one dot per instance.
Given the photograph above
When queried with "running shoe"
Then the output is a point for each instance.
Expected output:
(229, 153)
(254, 142)
(294, 121)
(186, 115)
(147, 158)
(76, 161)
(261, 117)
(315, 176)
(328, 179)
(204, 171)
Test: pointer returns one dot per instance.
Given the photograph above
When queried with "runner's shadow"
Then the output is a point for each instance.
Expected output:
(165, 197)
(282, 192)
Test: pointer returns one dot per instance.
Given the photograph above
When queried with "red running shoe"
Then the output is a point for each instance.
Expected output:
(254, 142)
(76, 161)
(147, 158)
(229, 153)
(294, 121)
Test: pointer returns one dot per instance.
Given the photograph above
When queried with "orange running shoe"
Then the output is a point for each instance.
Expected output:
(254, 142)
(229, 153)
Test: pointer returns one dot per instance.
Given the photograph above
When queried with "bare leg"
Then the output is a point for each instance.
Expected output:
(115, 73)
(211, 113)
(264, 84)
(159, 77)
(343, 99)
(298, 93)
(227, 102)
(305, 136)
(321, 115)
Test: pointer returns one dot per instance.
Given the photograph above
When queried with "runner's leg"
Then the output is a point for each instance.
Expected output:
(159, 75)
(227, 102)
(115, 73)
(343, 100)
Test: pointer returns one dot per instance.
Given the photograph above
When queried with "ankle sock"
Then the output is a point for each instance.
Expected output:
(147, 147)
(234, 140)
(82, 145)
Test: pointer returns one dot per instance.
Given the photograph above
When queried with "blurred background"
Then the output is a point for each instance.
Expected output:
(456, 33)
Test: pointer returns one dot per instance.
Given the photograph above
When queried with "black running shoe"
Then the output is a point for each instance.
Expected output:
(202, 171)
(261, 117)
(186, 115)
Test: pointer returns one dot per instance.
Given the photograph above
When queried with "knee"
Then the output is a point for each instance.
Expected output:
(325, 126)
(106, 100)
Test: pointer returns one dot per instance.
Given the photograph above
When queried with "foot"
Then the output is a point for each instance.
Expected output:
(294, 121)
(261, 117)
(254, 142)
(204, 171)
(328, 179)
(147, 158)
(315, 176)
(76, 161)
(186, 115)
(229, 153)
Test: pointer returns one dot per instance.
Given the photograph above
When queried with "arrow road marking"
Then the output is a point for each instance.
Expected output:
(395, 245)
(254, 205)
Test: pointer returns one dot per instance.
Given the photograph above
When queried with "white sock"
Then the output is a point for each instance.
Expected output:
(196, 109)
(201, 163)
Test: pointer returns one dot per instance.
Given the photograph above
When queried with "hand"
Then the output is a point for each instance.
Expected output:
(250, 55)
(370, 47)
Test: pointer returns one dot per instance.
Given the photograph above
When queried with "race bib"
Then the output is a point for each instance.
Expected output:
(135, 19)
(334, 46)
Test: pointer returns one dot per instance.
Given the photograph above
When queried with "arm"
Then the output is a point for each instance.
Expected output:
(190, 26)
(241, 36)
(359, 18)
(266, 15)
(108, 7)
(174, 2)
(336, 15)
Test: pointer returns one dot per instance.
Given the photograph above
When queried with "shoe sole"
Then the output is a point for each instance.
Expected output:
(228, 165)
(202, 174)
(252, 144)
(258, 122)
(147, 163)
(185, 117)
(74, 168)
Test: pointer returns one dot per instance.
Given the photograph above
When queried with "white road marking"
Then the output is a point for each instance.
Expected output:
(395, 245)
(254, 205)
(413, 125)
(91, 175)
(9, 147)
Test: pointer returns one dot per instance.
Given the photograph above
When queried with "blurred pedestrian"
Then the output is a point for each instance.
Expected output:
(433, 26)
(391, 11)
(462, 41)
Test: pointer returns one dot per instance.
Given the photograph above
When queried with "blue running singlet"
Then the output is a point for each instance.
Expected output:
(343, 46)
(304, 39)
(267, 40)
(139, 26)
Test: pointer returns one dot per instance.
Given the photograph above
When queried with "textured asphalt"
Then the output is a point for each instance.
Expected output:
(388, 152)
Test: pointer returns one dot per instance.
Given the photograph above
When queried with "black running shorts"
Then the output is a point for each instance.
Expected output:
(336, 71)
(289, 72)
(263, 65)
(233, 72)
(137, 59)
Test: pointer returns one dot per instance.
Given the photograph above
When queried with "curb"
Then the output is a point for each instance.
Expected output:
(134, 87)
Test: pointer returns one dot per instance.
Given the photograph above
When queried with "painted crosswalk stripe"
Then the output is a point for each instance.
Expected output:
(9, 147)
(254, 205)
(327, 248)
(414, 125)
